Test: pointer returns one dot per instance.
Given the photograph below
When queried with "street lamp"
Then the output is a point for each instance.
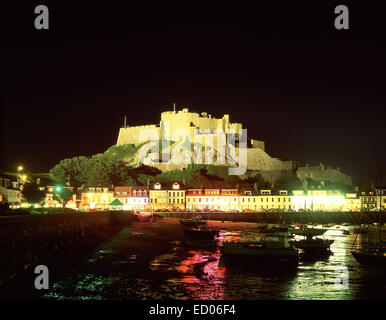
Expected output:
(19, 168)
(58, 190)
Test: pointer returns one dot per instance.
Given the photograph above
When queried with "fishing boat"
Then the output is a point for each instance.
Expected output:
(375, 257)
(361, 230)
(272, 228)
(307, 231)
(311, 244)
(195, 222)
(270, 247)
(200, 234)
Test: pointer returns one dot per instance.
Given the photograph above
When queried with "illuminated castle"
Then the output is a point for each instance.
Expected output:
(257, 158)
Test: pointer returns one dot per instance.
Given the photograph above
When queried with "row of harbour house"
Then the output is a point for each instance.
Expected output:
(176, 196)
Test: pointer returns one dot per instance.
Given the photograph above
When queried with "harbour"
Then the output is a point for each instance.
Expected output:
(149, 260)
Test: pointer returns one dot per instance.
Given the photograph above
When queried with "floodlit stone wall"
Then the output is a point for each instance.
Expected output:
(322, 173)
(257, 158)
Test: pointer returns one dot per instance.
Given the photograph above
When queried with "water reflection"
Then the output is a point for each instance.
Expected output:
(202, 275)
(157, 265)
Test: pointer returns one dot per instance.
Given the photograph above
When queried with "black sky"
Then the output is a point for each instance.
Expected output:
(312, 93)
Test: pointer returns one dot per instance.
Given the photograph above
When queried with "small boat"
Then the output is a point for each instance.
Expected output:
(360, 230)
(144, 216)
(272, 228)
(271, 247)
(309, 244)
(200, 234)
(306, 231)
(346, 232)
(313, 245)
(193, 223)
(375, 257)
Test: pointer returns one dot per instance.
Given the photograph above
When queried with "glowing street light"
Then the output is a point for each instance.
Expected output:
(19, 168)
(58, 189)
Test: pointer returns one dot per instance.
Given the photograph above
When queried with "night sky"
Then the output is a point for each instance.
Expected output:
(311, 92)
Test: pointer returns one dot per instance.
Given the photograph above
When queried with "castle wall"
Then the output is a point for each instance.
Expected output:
(258, 159)
(273, 175)
(184, 119)
(258, 144)
(323, 174)
(130, 135)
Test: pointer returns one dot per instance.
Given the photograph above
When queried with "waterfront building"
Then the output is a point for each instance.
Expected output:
(318, 200)
(96, 199)
(352, 202)
(10, 192)
(381, 197)
(11, 196)
(212, 199)
(134, 198)
(265, 200)
(368, 200)
(167, 196)
(49, 200)
(116, 205)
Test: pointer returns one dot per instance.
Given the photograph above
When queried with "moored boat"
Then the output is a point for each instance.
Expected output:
(270, 247)
(192, 223)
(309, 244)
(375, 257)
(313, 245)
(306, 231)
(200, 234)
(360, 230)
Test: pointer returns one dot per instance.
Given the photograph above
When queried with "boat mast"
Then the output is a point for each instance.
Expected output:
(380, 208)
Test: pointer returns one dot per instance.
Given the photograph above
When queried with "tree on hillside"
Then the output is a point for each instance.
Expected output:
(288, 183)
(32, 193)
(71, 170)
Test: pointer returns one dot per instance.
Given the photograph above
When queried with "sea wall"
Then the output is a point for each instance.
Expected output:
(354, 218)
(24, 240)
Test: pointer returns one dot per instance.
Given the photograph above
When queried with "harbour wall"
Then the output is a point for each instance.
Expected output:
(25, 240)
(354, 218)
